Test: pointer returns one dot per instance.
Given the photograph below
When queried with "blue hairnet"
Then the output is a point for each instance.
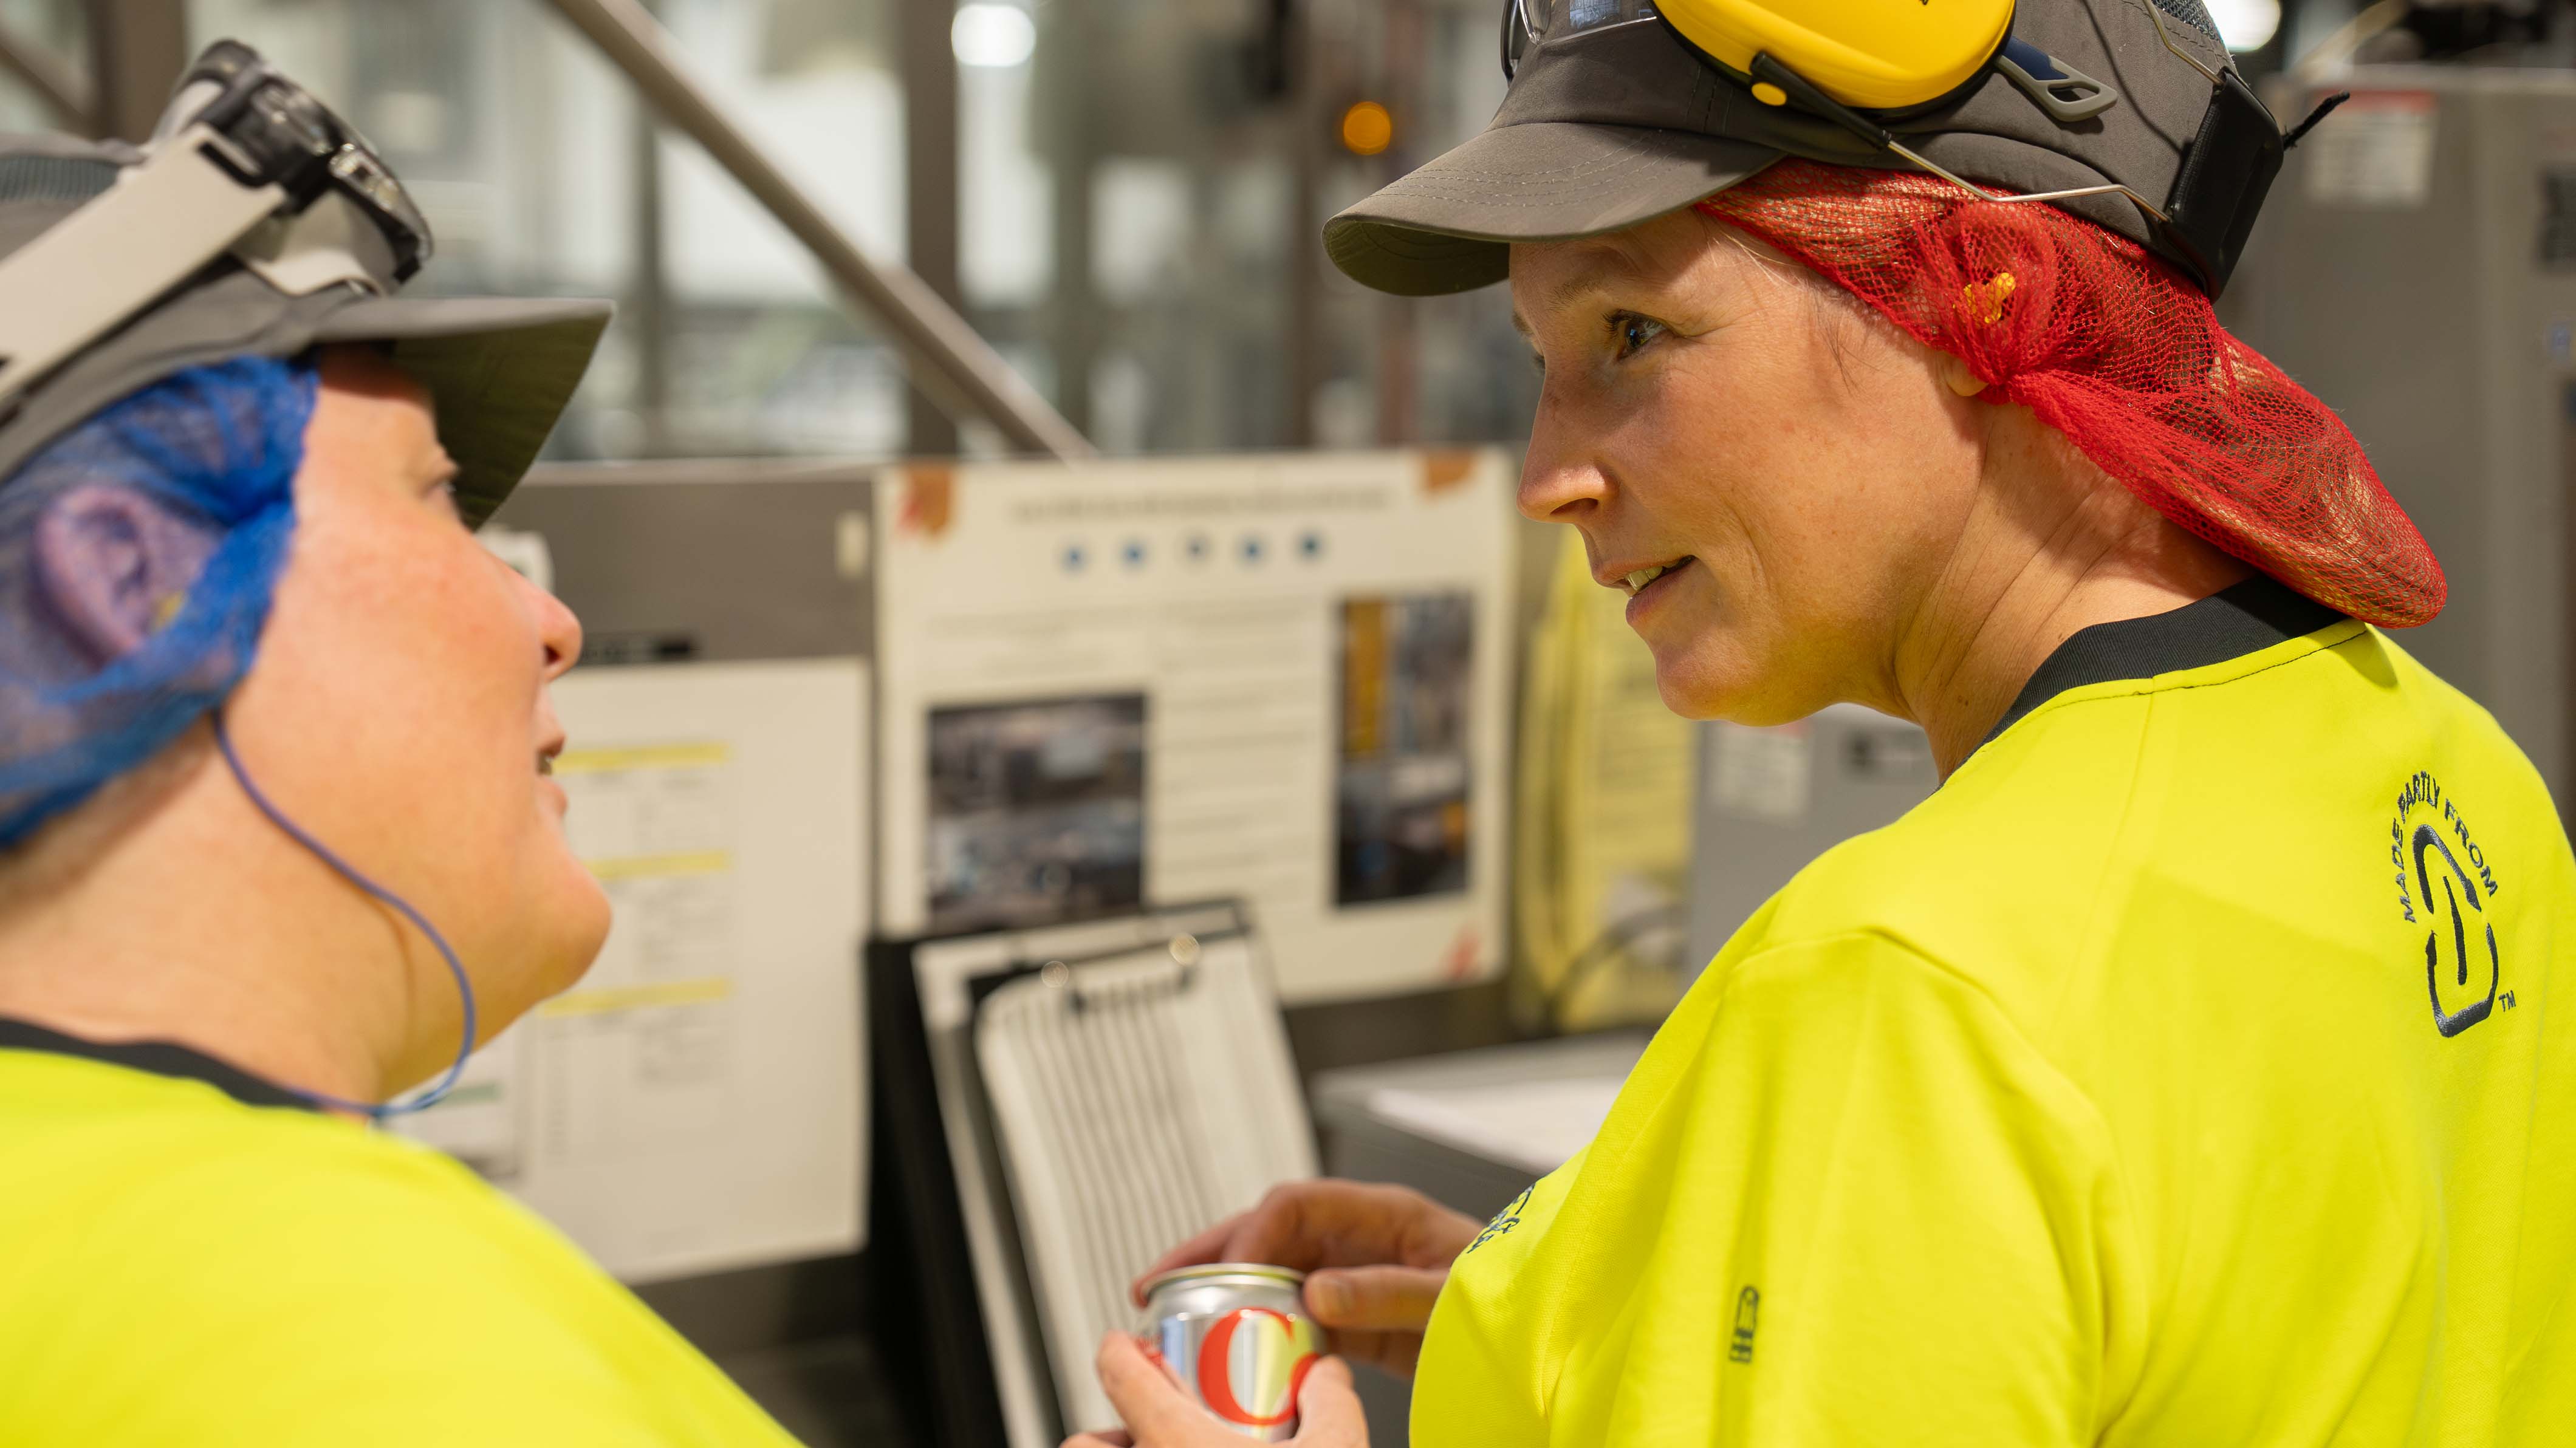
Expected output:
(217, 448)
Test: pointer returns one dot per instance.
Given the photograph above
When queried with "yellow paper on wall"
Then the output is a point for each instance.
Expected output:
(1602, 834)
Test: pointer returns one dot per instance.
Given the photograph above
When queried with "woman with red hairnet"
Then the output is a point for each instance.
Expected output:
(2180, 1072)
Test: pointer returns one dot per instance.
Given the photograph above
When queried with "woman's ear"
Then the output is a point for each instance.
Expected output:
(1961, 380)
(115, 563)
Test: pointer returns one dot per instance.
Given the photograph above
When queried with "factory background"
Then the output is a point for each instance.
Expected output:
(766, 493)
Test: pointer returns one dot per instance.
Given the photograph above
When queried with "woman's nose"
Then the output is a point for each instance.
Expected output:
(1559, 480)
(558, 629)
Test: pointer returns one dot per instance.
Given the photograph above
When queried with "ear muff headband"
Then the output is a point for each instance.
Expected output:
(1869, 54)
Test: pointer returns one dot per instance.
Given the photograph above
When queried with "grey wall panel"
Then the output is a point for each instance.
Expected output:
(706, 560)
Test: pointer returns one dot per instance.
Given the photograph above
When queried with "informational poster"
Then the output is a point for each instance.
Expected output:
(695, 1102)
(1759, 774)
(1281, 679)
(2376, 151)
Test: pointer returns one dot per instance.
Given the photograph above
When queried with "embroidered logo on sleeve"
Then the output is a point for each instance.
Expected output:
(1748, 1318)
(1504, 1220)
(2447, 887)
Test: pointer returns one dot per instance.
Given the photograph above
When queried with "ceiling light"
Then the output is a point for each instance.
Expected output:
(997, 36)
(2246, 24)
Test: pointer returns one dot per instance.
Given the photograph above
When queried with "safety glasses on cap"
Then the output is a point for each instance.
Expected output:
(1524, 21)
(245, 161)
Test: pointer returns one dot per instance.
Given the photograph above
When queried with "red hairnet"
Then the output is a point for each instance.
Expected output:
(2113, 348)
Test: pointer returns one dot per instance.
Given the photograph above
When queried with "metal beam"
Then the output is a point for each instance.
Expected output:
(948, 358)
(1302, 60)
(53, 83)
(1070, 142)
(929, 184)
(138, 50)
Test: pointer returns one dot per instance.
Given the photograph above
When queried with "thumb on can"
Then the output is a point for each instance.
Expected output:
(1148, 1399)
(1380, 1298)
(1328, 1408)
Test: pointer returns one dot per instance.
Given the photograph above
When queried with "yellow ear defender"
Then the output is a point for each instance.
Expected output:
(1871, 54)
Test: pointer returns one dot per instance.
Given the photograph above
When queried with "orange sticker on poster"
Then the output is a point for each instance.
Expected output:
(1447, 468)
(929, 498)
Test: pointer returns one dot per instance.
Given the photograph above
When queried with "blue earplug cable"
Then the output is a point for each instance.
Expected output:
(464, 987)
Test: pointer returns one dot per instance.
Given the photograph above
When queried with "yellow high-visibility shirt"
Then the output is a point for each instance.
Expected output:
(2180, 1073)
(181, 1268)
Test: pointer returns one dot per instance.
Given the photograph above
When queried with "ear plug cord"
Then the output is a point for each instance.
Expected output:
(349, 872)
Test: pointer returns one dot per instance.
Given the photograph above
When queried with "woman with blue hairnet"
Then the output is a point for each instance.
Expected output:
(276, 837)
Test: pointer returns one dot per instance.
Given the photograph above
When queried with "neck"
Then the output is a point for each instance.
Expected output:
(257, 955)
(2012, 592)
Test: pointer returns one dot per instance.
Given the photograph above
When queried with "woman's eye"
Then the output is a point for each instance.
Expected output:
(444, 496)
(1630, 332)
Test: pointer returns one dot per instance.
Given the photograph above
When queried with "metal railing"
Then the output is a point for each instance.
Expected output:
(55, 87)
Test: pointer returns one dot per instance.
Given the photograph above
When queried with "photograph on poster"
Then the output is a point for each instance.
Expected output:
(1401, 803)
(1037, 811)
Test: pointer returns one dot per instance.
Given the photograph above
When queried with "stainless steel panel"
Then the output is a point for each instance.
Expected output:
(706, 560)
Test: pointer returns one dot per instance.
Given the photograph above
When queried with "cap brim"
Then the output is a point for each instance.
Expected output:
(499, 371)
(1449, 226)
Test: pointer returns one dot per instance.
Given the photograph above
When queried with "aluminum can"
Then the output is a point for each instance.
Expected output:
(1237, 1336)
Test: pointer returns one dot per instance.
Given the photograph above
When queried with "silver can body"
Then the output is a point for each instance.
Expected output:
(1237, 1336)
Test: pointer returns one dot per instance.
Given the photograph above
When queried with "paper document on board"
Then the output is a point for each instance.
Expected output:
(695, 1102)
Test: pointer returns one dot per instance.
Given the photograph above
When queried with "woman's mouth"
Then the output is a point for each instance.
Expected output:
(545, 775)
(1643, 580)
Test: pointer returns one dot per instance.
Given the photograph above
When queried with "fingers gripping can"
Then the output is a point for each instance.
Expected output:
(1238, 1336)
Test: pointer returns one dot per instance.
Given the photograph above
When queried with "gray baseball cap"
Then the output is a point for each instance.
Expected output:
(499, 370)
(1613, 119)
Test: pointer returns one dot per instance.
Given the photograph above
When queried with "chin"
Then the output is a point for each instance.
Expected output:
(577, 931)
(1710, 681)
(555, 931)
(1703, 681)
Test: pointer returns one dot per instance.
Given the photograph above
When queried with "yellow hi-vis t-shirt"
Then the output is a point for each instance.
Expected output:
(180, 1269)
(2179, 1074)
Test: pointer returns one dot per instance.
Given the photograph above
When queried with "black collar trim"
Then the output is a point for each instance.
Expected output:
(160, 1058)
(2246, 619)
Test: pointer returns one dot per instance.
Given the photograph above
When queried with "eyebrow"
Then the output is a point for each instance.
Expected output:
(1610, 263)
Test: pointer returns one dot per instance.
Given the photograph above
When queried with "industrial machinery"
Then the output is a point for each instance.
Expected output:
(2416, 269)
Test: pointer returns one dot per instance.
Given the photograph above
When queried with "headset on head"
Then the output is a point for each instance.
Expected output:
(1862, 64)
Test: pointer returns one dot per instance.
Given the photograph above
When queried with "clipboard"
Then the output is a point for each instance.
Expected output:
(1061, 1105)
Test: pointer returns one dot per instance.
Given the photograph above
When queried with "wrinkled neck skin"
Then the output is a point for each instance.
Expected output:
(2048, 546)
(167, 909)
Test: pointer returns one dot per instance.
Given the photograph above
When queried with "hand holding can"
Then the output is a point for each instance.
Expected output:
(1376, 1258)
(1159, 1413)
(1237, 1337)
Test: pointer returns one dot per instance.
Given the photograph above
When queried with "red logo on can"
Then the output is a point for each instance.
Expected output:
(1216, 1369)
